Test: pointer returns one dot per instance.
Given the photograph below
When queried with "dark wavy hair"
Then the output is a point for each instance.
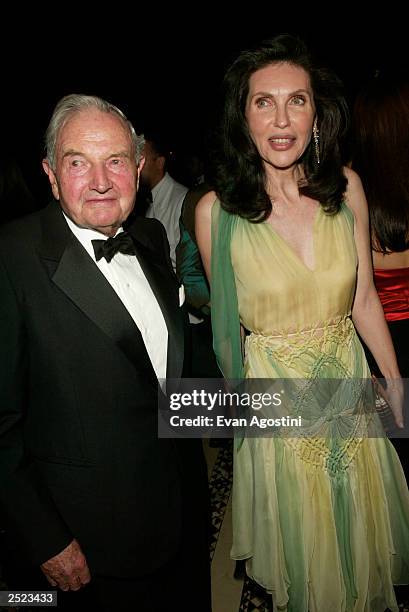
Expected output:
(239, 175)
(381, 157)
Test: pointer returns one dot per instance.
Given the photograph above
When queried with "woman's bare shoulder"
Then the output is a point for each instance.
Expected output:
(354, 194)
(205, 205)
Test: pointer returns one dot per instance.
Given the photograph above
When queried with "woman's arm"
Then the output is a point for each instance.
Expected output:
(367, 312)
(203, 228)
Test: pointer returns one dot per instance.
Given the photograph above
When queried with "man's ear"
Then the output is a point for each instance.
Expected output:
(138, 171)
(52, 178)
(141, 163)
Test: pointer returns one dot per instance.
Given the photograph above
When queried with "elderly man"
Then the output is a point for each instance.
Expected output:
(90, 319)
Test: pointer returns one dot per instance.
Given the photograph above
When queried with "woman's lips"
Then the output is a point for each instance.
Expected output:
(282, 143)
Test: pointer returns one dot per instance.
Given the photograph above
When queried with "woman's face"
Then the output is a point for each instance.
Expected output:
(280, 113)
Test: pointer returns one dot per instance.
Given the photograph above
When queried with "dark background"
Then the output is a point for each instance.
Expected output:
(165, 71)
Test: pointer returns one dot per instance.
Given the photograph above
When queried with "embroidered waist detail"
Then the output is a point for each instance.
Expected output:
(315, 349)
(342, 325)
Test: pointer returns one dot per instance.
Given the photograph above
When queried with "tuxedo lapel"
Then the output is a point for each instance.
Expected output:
(74, 272)
(154, 267)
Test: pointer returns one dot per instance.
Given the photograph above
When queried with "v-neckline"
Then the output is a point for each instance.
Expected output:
(290, 248)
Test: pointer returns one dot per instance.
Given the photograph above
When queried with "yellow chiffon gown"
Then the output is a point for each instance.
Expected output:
(323, 524)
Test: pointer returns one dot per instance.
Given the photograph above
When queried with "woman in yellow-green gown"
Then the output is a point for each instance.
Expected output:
(322, 522)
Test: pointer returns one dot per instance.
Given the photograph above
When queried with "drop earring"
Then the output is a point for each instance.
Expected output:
(316, 136)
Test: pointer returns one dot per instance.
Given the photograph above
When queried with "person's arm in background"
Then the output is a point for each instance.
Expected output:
(189, 265)
(190, 272)
(367, 311)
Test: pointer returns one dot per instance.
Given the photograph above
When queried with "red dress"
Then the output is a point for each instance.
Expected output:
(393, 290)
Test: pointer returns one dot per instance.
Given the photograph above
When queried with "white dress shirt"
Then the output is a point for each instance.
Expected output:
(127, 279)
(167, 200)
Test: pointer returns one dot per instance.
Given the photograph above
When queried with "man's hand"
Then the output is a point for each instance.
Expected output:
(68, 570)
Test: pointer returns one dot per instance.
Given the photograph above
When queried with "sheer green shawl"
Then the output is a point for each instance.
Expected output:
(224, 306)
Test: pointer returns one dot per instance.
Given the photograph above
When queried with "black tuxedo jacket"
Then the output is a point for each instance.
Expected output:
(79, 452)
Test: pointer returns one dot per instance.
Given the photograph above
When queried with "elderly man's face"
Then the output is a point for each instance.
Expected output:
(95, 178)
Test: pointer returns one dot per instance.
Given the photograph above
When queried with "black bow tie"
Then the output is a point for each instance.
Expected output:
(107, 248)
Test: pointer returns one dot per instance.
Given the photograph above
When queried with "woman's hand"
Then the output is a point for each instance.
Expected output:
(393, 395)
